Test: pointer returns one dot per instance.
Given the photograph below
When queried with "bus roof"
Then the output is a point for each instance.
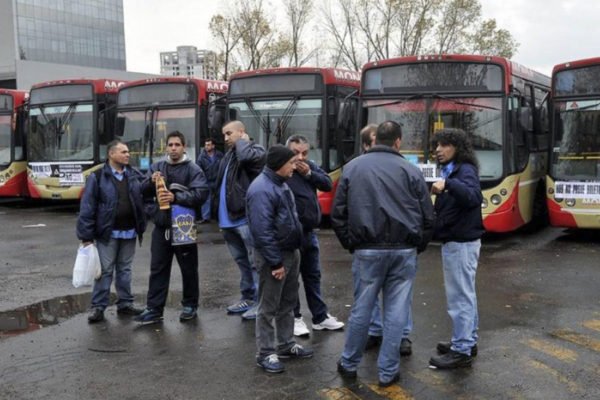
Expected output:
(100, 85)
(204, 86)
(330, 75)
(585, 62)
(511, 67)
(19, 96)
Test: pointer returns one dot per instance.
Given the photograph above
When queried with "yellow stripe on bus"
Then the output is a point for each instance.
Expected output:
(553, 350)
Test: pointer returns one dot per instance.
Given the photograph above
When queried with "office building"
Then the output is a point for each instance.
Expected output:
(189, 61)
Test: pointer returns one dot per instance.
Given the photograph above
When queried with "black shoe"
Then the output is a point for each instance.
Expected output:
(345, 373)
(405, 347)
(188, 314)
(395, 379)
(129, 310)
(451, 359)
(444, 347)
(149, 316)
(96, 315)
(373, 342)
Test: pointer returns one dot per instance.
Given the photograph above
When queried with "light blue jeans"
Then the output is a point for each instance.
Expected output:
(391, 272)
(238, 242)
(376, 326)
(116, 257)
(459, 260)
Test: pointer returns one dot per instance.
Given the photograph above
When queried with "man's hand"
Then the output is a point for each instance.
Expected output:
(278, 273)
(155, 176)
(166, 196)
(303, 168)
(86, 243)
(438, 186)
(245, 136)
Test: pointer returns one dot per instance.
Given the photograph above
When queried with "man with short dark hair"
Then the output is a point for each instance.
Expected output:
(276, 235)
(186, 186)
(367, 137)
(208, 160)
(304, 183)
(112, 213)
(383, 214)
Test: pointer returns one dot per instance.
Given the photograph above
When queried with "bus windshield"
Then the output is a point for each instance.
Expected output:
(270, 122)
(480, 117)
(145, 133)
(576, 147)
(61, 133)
(5, 139)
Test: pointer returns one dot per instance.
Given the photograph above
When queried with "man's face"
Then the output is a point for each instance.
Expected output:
(287, 170)
(231, 135)
(175, 148)
(209, 146)
(373, 135)
(300, 150)
(119, 154)
(445, 153)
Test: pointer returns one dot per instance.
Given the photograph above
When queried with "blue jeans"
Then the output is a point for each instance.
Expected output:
(376, 325)
(391, 272)
(277, 298)
(205, 209)
(238, 242)
(460, 266)
(116, 257)
(310, 269)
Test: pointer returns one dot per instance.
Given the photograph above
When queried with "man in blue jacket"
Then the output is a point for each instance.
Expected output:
(383, 214)
(187, 187)
(208, 160)
(459, 227)
(304, 183)
(112, 213)
(276, 235)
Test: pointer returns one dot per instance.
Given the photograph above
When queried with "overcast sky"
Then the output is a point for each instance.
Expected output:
(549, 31)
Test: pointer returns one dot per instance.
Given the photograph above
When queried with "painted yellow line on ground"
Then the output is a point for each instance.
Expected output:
(593, 324)
(572, 386)
(553, 350)
(338, 394)
(434, 379)
(578, 338)
(393, 392)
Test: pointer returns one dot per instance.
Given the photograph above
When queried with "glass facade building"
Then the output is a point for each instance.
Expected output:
(77, 32)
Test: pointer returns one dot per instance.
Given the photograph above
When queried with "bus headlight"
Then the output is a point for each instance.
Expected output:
(558, 199)
(503, 192)
(496, 199)
(570, 202)
(484, 203)
(550, 190)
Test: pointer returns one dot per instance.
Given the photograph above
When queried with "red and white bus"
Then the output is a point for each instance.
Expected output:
(70, 124)
(13, 164)
(277, 103)
(148, 109)
(496, 101)
(573, 181)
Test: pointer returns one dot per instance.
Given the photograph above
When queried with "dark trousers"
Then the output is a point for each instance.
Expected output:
(160, 271)
(310, 269)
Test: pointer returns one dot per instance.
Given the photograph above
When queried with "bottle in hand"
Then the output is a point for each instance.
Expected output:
(161, 187)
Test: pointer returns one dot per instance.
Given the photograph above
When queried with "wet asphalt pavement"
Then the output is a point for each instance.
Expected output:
(539, 307)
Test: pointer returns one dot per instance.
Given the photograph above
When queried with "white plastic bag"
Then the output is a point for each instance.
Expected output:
(87, 266)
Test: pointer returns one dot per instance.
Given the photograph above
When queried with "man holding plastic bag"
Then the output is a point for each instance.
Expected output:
(179, 188)
(112, 214)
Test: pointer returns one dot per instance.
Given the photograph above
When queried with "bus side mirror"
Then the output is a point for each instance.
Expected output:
(525, 119)
(215, 118)
(345, 113)
(120, 126)
(101, 124)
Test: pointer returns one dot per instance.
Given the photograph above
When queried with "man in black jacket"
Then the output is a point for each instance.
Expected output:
(180, 170)
(208, 160)
(382, 213)
(306, 180)
(241, 164)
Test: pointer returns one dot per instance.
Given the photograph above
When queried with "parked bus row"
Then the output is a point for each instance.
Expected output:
(537, 138)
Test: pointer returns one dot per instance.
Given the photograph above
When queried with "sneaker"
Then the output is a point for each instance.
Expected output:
(345, 373)
(296, 351)
(188, 314)
(300, 328)
(250, 314)
(373, 342)
(96, 315)
(149, 316)
(405, 347)
(444, 347)
(271, 364)
(395, 379)
(451, 359)
(129, 310)
(240, 307)
(330, 324)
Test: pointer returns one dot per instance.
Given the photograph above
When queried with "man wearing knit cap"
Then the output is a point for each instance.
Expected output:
(276, 235)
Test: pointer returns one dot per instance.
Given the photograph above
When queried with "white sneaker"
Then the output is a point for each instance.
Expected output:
(300, 328)
(330, 324)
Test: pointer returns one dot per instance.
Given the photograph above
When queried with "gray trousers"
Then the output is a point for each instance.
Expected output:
(276, 302)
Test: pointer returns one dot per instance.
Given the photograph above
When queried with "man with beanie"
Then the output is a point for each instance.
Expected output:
(241, 164)
(276, 236)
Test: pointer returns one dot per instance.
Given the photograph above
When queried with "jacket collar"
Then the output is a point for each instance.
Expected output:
(380, 148)
(183, 160)
(279, 180)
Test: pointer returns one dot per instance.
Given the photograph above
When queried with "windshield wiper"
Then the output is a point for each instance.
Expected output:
(462, 103)
(265, 125)
(399, 101)
(286, 117)
(66, 117)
